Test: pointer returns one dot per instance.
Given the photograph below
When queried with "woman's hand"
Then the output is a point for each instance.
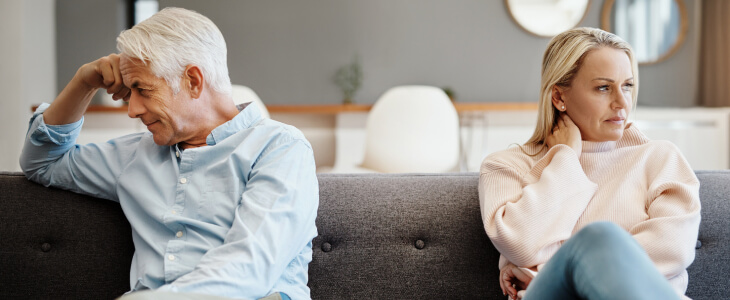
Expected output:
(567, 133)
(512, 280)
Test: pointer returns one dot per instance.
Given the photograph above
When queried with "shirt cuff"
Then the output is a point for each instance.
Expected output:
(42, 133)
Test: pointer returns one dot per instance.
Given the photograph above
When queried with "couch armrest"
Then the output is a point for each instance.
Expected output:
(56, 244)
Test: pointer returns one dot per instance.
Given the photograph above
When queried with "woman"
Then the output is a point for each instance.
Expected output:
(585, 163)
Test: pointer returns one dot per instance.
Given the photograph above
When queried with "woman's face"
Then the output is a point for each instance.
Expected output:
(599, 98)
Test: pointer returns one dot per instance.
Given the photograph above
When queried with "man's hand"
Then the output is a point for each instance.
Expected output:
(565, 132)
(71, 103)
(104, 73)
(513, 280)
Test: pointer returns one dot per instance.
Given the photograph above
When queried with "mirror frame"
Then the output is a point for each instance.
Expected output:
(512, 16)
(683, 28)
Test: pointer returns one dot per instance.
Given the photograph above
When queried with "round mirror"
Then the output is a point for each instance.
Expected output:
(654, 28)
(546, 18)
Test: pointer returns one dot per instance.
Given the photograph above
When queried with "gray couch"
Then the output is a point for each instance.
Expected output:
(381, 236)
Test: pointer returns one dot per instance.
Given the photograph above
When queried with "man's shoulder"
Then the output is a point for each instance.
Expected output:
(280, 132)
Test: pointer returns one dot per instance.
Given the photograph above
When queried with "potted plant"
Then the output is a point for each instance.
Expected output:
(349, 78)
(450, 92)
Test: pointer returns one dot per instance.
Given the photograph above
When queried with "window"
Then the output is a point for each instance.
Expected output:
(144, 9)
(140, 10)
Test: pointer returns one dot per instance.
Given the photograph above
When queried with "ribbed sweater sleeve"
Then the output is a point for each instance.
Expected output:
(673, 207)
(529, 211)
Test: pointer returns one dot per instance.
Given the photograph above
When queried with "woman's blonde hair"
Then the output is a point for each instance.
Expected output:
(562, 60)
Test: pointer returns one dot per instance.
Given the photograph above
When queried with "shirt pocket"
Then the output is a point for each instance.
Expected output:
(220, 200)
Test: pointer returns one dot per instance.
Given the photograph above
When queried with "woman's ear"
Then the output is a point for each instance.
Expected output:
(558, 97)
(194, 81)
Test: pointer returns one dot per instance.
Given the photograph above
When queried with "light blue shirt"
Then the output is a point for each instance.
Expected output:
(234, 218)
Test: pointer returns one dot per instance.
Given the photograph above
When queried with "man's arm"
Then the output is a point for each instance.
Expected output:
(50, 156)
(71, 103)
(273, 224)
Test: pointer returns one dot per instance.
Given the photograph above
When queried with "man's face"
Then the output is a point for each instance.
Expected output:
(153, 102)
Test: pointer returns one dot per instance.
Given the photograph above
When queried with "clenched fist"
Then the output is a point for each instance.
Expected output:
(104, 73)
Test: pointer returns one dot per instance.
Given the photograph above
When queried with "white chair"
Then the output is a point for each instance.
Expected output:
(244, 94)
(411, 129)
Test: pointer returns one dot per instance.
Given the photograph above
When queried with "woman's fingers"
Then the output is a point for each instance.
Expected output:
(502, 280)
(523, 279)
(511, 290)
(561, 121)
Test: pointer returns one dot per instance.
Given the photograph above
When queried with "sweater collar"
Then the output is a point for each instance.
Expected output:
(631, 137)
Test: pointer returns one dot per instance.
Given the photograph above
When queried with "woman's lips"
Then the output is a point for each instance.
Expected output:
(616, 120)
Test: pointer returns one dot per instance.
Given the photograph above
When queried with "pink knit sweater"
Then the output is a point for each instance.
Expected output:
(531, 205)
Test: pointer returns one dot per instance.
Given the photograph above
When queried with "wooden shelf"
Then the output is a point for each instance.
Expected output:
(319, 109)
(341, 108)
(491, 106)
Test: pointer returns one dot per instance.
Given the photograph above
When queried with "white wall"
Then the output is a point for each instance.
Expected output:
(28, 64)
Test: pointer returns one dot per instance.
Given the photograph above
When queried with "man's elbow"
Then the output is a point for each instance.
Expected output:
(31, 169)
(25, 165)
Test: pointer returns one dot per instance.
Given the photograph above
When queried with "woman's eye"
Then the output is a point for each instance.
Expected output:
(628, 86)
(603, 88)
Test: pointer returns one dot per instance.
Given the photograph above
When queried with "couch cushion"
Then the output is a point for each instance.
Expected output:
(402, 236)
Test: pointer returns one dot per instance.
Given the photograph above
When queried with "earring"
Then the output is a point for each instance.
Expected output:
(562, 107)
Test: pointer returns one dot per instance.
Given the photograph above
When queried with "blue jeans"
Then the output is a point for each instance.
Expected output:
(601, 261)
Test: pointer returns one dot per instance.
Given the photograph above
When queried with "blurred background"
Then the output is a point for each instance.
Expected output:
(486, 55)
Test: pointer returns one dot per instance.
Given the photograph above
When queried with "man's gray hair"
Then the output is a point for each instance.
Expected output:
(174, 38)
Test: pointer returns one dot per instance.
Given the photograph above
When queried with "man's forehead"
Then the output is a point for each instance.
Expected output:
(128, 61)
(133, 70)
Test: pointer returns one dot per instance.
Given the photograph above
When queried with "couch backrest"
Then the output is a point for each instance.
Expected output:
(380, 236)
(708, 274)
(402, 237)
(370, 227)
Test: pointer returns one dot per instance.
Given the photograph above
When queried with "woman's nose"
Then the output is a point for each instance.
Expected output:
(621, 100)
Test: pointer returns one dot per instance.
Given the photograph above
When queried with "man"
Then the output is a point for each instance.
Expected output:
(221, 202)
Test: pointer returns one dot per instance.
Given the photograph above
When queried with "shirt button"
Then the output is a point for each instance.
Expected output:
(183, 180)
(174, 212)
(179, 234)
(171, 257)
(177, 153)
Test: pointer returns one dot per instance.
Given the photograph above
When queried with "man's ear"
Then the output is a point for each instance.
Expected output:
(194, 81)
(557, 96)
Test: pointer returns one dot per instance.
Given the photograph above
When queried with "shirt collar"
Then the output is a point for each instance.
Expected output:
(248, 116)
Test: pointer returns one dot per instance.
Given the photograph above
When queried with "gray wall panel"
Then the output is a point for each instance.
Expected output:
(289, 50)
